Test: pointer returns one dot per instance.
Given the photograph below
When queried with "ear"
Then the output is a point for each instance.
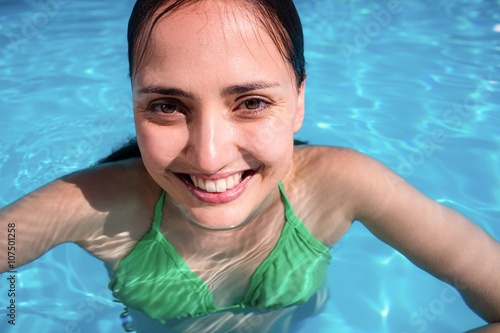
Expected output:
(299, 114)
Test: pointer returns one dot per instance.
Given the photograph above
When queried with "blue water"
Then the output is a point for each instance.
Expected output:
(417, 88)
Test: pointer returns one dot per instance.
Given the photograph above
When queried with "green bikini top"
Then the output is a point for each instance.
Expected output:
(154, 279)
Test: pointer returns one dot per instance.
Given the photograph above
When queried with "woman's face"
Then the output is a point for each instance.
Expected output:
(215, 108)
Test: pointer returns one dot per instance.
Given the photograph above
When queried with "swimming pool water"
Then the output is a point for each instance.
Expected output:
(414, 84)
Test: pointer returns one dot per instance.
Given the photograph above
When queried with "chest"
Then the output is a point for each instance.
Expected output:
(272, 262)
(154, 274)
(226, 262)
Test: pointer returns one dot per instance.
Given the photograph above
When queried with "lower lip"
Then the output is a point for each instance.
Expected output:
(220, 197)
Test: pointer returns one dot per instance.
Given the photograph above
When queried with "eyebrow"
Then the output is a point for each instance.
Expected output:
(165, 91)
(247, 87)
(227, 91)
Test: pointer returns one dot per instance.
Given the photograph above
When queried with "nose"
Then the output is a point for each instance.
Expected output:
(211, 144)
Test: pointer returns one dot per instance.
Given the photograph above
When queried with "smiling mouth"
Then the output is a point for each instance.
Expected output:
(215, 185)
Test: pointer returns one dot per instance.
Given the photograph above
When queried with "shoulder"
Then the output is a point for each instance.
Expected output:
(117, 193)
(84, 192)
(329, 158)
(119, 199)
(338, 169)
(333, 186)
(358, 187)
(96, 208)
(96, 195)
(324, 186)
(112, 183)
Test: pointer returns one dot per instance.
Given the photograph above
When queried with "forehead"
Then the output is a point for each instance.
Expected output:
(215, 36)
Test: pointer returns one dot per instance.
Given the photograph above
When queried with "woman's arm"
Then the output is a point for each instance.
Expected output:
(49, 216)
(434, 237)
(492, 328)
(71, 209)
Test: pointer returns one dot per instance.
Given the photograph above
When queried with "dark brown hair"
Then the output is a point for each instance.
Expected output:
(278, 17)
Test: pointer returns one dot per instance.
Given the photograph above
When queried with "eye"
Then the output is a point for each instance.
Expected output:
(254, 104)
(167, 108)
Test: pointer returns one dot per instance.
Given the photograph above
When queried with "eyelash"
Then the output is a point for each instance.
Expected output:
(154, 105)
(264, 105)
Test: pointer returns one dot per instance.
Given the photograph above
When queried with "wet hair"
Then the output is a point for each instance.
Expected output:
(279, 18)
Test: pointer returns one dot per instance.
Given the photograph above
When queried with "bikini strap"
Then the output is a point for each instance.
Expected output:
(290, 214)
(298, 225)
(158, 212)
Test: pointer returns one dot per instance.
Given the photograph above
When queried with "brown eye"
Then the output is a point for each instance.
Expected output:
(164, 108)
(254, 104)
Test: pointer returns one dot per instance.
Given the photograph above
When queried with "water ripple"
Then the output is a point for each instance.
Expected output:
(65, 103)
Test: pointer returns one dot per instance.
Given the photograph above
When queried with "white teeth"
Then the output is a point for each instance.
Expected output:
(210, 186)
(195, 181)
(219, 185)
(230, 182)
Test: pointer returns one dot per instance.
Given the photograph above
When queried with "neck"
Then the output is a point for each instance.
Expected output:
(232, 227)
(257, 231)
(272, 199)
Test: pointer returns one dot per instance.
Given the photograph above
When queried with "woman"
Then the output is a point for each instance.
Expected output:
(221, 223)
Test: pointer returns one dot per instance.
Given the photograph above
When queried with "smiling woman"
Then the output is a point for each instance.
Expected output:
(212, 219)
(208, 132)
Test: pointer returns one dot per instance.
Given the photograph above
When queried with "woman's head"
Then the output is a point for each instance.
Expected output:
(278, 17)
(216, 106)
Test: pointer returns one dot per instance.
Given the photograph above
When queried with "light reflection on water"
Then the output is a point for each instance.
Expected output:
(434, 68)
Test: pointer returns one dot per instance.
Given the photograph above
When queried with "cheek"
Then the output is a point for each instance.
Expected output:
(158, 146)
(273, 139)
